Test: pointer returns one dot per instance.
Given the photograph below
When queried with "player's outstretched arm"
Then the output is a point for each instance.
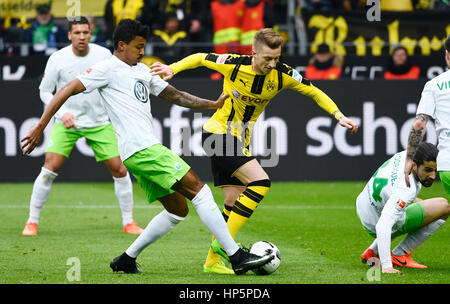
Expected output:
(190, 62)
(187, 100)
(416, 136)
(326, 103)
(34, 135)
(391, 213)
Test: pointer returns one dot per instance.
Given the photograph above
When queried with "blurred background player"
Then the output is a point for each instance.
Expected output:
(81, 116)
(324, 64)
(251, 82)
(97, 35)
(170, 41)
(388, 208)
(434, 103)
(400, 66)
(44, 36)
(124, 85)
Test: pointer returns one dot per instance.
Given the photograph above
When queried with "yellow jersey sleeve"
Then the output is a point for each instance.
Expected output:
(217, 62)
(302, 85)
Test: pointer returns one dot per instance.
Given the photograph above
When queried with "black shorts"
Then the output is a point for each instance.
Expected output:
(227, 155)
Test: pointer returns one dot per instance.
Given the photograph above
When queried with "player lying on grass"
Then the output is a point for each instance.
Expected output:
(251, 83)
(124, 85)
(388, 208)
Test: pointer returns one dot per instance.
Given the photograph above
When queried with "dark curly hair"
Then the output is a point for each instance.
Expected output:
(425, 152)
(127, 30)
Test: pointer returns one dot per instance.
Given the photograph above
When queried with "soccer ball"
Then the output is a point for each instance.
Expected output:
(265, 248)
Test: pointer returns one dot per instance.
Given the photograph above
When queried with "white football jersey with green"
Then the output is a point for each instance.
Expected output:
(435, 102)
(387, 182)
(382, 204)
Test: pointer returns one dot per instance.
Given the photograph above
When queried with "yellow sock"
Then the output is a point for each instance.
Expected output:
(237, 216)
(245, 205)
(213, 257)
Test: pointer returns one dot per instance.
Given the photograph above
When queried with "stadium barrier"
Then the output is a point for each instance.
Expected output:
(294, 139)
(17, 68)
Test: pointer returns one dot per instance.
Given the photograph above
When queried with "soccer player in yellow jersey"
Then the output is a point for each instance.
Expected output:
(251, 82)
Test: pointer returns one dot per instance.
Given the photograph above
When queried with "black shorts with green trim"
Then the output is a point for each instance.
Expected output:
(227, 155)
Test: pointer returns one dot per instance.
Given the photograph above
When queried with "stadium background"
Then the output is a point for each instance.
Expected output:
(313, 223)
(305, 139)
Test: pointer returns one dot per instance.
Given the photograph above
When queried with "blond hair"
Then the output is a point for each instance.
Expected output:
(269, 37)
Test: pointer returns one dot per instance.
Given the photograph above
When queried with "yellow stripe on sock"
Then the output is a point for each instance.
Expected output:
(244, 207)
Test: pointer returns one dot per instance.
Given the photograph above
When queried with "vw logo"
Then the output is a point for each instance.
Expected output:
(140, 91)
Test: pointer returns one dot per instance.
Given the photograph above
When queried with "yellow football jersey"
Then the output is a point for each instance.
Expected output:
(249, 92)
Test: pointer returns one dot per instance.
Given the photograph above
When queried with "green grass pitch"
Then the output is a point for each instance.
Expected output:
(314, 225)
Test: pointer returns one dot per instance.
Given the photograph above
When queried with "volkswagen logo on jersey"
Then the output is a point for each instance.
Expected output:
(140, 91)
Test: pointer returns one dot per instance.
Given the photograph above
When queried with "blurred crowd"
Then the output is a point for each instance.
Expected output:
(180, 27)
(172, 22)
(385, 5)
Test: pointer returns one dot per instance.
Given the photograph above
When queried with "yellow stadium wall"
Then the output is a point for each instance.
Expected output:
(60, 8)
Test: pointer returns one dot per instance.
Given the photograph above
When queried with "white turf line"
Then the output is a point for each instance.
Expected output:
(156, 206)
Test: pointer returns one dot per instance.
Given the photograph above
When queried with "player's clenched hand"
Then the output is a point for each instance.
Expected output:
(32, 139)
(161, 69)
(349, 124)
(68, 120)
(221, 100)
(408, 168)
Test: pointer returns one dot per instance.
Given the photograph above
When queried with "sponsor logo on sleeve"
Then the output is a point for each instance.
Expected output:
(221, 59)
(401, 203)
(296, 75)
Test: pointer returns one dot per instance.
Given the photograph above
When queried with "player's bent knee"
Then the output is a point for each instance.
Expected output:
(183, 212)
(443, 206)
(119, 171)
(189, 185)
(175, 218)
(53, 164)
(262, 182)
(446, 206)
(229, 201)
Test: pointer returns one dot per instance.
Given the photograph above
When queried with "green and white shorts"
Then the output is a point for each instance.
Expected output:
(415, 215)
(410, 221)
(102, 140)
(156, 169)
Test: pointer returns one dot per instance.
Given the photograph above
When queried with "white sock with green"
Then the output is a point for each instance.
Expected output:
(158, 226)
(211, 216)
(417, 238)
(123, 187)
(374, 247)
(41, 190)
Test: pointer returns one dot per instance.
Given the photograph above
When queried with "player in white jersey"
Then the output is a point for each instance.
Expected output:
(388, 208)
(434, 103)
(82, 116)
(124, 85)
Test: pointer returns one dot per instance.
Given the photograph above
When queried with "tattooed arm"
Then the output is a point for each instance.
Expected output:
(415, 138)
(187, 100)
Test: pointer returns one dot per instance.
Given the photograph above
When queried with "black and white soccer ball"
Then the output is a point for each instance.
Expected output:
(265, 248)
